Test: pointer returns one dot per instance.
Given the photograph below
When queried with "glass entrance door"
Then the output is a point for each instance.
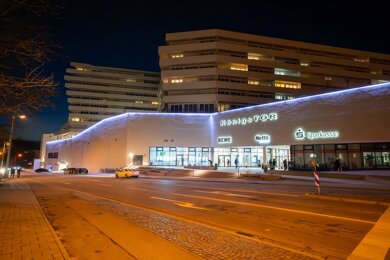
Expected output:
(179, 160)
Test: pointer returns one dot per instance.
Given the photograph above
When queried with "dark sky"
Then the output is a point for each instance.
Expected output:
(127, 33)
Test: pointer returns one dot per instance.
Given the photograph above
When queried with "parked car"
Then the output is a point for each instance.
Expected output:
(41, 170)
(127, 172)
(75, 171)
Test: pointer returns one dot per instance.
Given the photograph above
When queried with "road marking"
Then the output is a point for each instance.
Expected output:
(103, 184)
(181, 203)
(247, 191)
(136, 188)
(64, 182)
(276, 208)
(224, 193)
(96, 180)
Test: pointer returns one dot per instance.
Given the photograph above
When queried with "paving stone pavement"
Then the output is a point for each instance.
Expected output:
(206, 242)
(25, 231)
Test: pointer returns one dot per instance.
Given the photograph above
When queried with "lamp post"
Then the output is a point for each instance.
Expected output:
(3, 154)
(10, 137)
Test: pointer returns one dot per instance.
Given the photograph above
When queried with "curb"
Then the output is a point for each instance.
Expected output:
(368, 202)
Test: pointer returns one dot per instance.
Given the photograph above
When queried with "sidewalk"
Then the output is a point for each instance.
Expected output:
(25, 231)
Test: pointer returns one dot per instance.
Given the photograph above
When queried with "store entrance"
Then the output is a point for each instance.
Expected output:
(224, 161)
(179, 160)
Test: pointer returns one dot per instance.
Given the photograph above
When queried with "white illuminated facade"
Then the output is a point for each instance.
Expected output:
(351, 125)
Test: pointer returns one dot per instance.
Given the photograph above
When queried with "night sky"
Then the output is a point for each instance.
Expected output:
(127, 34)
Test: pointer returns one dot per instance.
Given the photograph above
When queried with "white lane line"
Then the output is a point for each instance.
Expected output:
(224, 193)
(131, 188)
(103, 184)
(181, 203)
(96, 180)
(65, 182)
(239, 190)
(276, 208)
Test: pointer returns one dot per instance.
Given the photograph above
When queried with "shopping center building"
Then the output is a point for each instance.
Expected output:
(352, 125)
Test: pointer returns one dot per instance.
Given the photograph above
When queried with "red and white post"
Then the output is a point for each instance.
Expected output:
(316, 178)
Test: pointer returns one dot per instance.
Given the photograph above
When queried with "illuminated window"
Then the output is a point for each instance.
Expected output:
(254, 56)
(328, 78)
(130, 80)
(253, 82)
(304, 63)
(176, 80)
(362, 59)
(285, 72)
(241, 67)
(287, 84)
(177, 55)
(81, 69)
(154, 103)
(283, 97)
(139, 102)
(75, 119)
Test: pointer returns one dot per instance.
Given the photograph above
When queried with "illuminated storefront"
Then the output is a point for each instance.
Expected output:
(351, 125)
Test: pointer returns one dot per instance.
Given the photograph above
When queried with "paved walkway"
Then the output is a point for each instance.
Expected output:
(25, 231)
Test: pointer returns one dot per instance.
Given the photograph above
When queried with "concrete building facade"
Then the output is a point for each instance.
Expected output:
(216, 70)
(351, 125)
(96, 92)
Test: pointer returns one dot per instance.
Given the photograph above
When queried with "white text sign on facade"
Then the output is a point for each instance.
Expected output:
(225, 140)
(263, 139)
(301, 134)
(249, 120)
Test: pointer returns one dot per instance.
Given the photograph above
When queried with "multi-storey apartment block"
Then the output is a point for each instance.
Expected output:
(218, 70)
(96, 92)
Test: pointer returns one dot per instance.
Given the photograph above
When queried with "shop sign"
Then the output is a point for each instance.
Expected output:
(301, 134)
(225, 139)
(249, 120)
(263, 139)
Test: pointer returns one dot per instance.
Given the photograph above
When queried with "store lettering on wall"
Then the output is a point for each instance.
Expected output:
(225, 139)
(249, 120)
(263, 139)
(301, 134)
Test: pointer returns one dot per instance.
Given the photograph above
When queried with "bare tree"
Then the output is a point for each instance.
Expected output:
(25, 48)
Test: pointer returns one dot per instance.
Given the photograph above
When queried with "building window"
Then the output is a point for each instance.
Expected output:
(52, 155)
(362, 59)
(75, 119)
(328, 78)
(283, 97)
(254, 56)
(304, 63)
(176, 80)
(287, 84)
(285, 72)
(177, 55)
(176, 108)
(253, 82)
(190, 108)
(139, 102)
(240, 67)
(154, 103)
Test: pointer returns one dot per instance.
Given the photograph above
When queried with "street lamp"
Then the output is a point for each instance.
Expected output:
(19, 155)
(10, 137)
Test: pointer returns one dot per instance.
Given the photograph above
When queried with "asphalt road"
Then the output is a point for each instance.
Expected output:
(283, 218)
